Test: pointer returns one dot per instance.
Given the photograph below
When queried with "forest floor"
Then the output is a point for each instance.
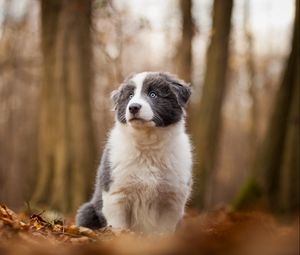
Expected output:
(219, 232)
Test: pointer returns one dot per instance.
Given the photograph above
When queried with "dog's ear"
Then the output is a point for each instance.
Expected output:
(115, 97)
(181, 89)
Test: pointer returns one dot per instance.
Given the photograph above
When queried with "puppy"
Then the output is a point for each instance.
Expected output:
(144, 179)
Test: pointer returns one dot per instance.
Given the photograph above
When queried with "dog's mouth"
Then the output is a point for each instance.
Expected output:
(137, 122)
(133, 119)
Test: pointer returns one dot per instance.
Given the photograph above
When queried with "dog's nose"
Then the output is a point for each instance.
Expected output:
(134, 108)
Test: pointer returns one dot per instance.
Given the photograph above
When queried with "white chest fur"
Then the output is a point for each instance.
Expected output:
(151, 177)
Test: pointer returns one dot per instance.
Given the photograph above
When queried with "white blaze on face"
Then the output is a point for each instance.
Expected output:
(145, 113)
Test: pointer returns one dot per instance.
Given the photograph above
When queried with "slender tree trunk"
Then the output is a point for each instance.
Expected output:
(183, 57)
(67, 150)
(208, 127)
(250, 65)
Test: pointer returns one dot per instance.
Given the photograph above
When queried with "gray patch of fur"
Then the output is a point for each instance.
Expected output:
(181, 89)
(121, 99)
(104, 174)
(172, 96)
(89, 214)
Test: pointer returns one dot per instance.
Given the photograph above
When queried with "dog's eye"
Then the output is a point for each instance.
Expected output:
(130, 95)
(152, 94)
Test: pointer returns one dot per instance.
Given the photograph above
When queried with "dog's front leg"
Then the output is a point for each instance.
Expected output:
(115, 210)
(170, 214)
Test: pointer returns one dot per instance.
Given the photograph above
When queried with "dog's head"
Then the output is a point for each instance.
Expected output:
(152, 99)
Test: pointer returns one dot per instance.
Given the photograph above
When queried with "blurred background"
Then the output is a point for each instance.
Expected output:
(60, 59)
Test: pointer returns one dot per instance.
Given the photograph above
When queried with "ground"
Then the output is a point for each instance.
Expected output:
(218, 232)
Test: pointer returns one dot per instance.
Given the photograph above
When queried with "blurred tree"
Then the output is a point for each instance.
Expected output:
(250, 65)
(276, 168)
(208, 115)
(279, 157)
(288, 197)
(183, 56)
(18, 80)
(66, 144)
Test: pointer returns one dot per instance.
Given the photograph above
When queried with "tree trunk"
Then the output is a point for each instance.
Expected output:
(183, 57)
(288, 191)
(208, 126)
(288, 200)
(276, 167)
(270, 158)
(66, 150)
